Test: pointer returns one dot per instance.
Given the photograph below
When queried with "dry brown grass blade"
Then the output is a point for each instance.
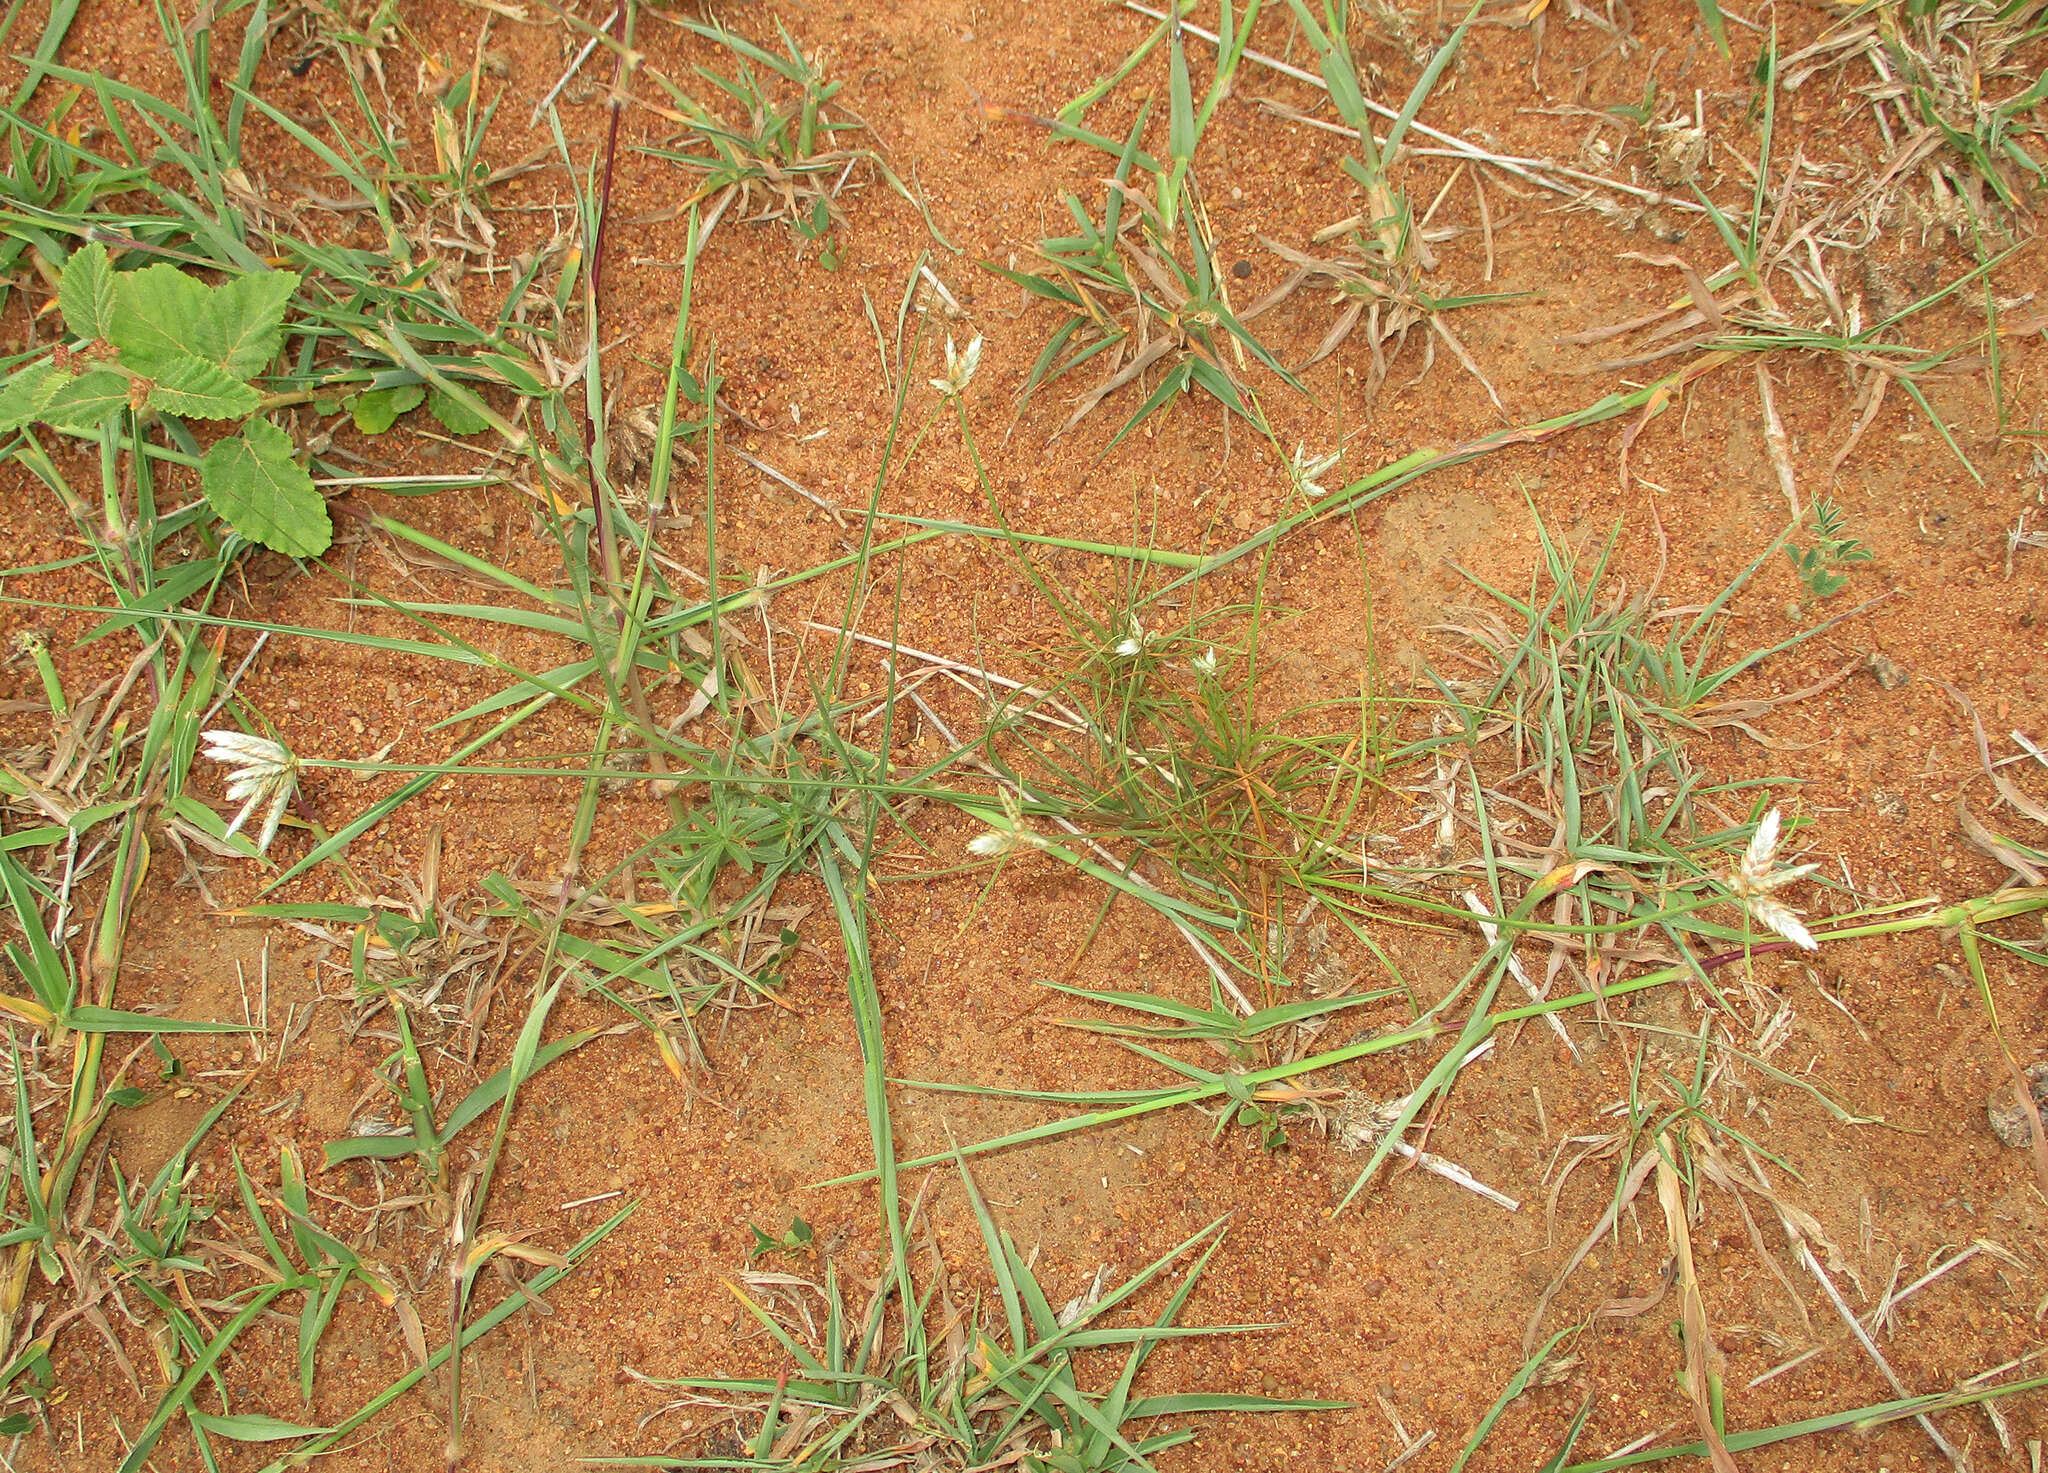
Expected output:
(1702, 1356)
(1661, 400)
(1339, 331)
(1722, 1175)
(1872, 402)
(1598, 1149)
(2005, 785)
(1630, 1186)
(1798, 1222)
(1275, 297)
(1612, 330)
(1639, 1305)
(1163, 281)
(1804, 64)
(1150, 354)
(1485, 225)
(1457, 348)
(1735, 713)
(1336, 268)
(1695, 286)
(1691, 318)
(1992, 846)
(1659, 324)
(1776, 440)
(1638, 360)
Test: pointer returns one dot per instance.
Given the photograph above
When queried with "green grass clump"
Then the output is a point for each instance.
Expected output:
(1018, 1380)
(1127, 296)
(1160, 739)
(1384, 272)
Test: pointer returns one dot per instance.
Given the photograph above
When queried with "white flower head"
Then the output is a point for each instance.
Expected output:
(1758, 875)
(1307, 468)
(1011, 836)
(959, 368)
(1135, 641)
(1205, 663)
(998, 842)
(261, 774)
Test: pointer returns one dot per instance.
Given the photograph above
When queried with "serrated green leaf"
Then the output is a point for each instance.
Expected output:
(243, 325)
(28, 393)
(85, 292)
(455, 416)
(377, 410)
(251, 1427)
(200, 390)
(86, 402)
(252, 480)
(157, 315)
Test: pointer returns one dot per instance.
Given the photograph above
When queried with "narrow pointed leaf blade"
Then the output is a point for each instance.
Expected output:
(1717, 27)
(1192, 1402)
(1175, 381)
(251, 1427)
(88, 1019)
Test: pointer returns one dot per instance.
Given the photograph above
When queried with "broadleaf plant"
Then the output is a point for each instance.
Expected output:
(1820, 566)
(161, 341)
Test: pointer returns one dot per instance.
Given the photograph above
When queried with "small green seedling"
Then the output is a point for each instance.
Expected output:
(771, 137)
(1819, 566)
(160, 342)
(426, 1141)
(1385, 267)
(815, 226)
(794, 1241)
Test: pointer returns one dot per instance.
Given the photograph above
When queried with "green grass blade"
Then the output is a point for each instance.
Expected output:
(511, 1304)
(1517, 1384)
(1426, 83)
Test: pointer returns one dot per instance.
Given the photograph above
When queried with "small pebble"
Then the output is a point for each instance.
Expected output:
(2009, 1121)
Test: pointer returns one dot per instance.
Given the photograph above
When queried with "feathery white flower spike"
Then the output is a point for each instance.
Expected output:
(1011, 837)
(1781, 919)
(959, 368)
(1205, 664)
(260, 772)
(1758, 875)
